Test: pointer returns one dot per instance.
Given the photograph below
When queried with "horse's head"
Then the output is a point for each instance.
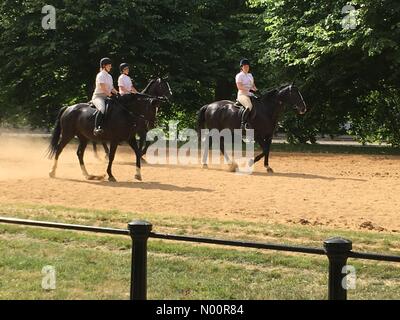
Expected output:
(291, 95)
(141, 105)
(159, 88)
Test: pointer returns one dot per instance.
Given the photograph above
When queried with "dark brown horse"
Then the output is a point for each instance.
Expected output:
(263, 118)
(159, 88)
(124, 120)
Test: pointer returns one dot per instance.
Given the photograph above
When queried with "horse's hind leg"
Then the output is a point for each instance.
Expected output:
(232, 165)
(64, 141)
(80, 153)
(205, 151)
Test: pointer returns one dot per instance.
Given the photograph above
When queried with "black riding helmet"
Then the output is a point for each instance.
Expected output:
(104, 62)
(122, 66)
(244, 62)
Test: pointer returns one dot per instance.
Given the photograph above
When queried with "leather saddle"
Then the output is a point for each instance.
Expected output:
(108, 103)
(238, 105)
(241, 108)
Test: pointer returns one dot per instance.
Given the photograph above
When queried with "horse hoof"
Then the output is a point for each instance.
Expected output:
(251, 162)
(95, 178)
(233, 167)
(52, 175)
(205, 166)
(112, 179)
(269, 170)
(143, 161)
(138, 177)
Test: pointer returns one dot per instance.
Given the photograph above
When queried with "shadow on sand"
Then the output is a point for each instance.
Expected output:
(140, 185)
(303, 176)
(254, 173)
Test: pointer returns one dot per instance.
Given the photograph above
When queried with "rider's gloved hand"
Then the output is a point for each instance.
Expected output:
(255, 93)
(116, 95)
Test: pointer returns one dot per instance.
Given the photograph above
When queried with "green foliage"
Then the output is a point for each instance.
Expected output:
(346, 76)
(194, 42)
(379, 116)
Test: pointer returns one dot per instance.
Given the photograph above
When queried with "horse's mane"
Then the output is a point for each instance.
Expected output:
(148, 86)
(125, 98)
(270, 93)
(128, 98)
(273, 91)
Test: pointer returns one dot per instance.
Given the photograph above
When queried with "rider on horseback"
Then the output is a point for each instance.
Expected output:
(246, 89)
(124, 81)
(104, 89)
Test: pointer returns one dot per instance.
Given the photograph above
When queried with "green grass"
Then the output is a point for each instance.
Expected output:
(91, 266)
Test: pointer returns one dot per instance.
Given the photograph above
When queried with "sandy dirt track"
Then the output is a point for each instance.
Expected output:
(344, 191)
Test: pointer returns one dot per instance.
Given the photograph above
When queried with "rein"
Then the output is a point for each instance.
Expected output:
(131, 114)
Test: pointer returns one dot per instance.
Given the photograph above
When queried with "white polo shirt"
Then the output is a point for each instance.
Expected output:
(126, 82)
(103, 77)
(247, 81)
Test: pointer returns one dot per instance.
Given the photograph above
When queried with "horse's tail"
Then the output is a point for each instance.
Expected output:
(55, 137)
(201, 119)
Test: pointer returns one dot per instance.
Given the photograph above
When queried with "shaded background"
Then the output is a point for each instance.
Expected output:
(349, 78)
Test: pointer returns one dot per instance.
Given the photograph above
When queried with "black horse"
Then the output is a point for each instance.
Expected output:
(263, 118)
(125, 118)
(159, 88)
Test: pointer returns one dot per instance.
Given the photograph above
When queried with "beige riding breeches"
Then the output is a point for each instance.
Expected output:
(99, 102)
(245, 101)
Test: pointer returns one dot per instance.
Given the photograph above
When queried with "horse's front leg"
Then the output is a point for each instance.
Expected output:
(146, 146)
(266, 158)
(143, 145)
(106, 150)
(96, 155)
(113, 150)
(138, 152)
(261, 142)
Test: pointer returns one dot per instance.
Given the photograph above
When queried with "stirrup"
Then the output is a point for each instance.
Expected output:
(98, 132)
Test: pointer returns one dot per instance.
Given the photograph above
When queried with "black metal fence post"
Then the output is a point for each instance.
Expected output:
(337, 250)
(140, 232)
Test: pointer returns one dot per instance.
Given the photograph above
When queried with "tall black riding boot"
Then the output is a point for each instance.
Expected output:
(245, 116)
(98, 124)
